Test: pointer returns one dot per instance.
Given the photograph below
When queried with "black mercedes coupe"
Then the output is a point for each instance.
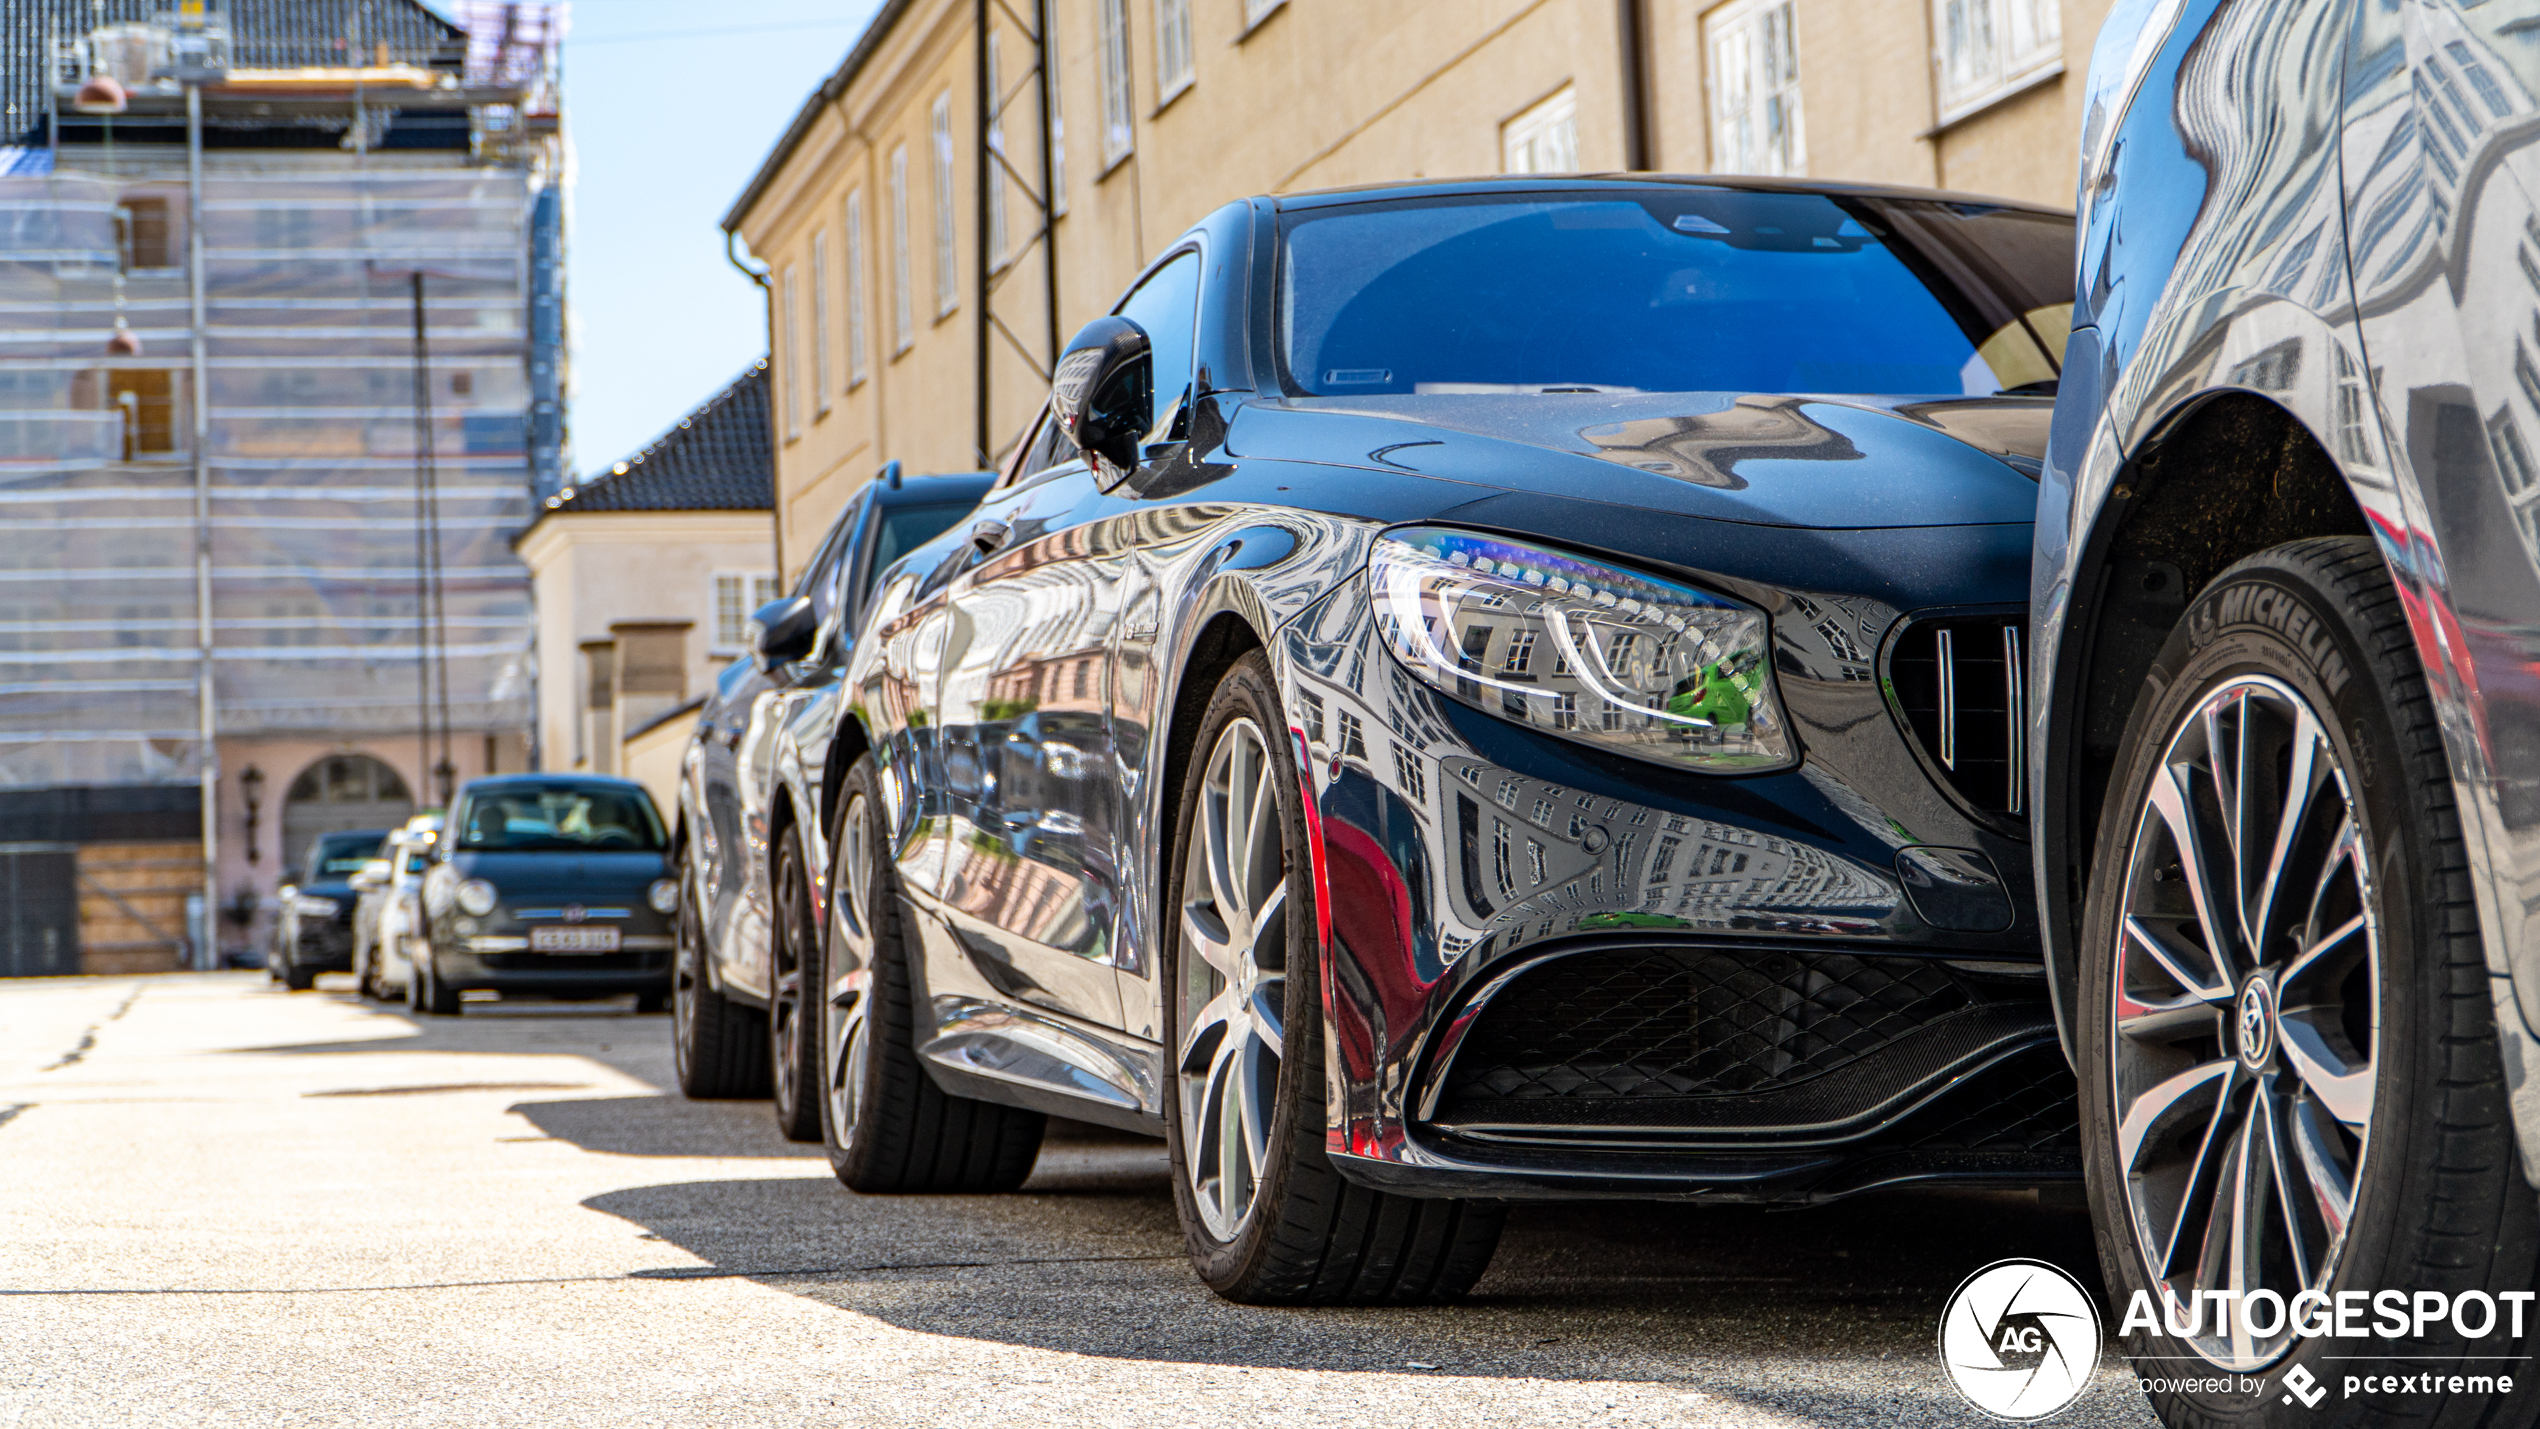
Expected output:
(1472, 691)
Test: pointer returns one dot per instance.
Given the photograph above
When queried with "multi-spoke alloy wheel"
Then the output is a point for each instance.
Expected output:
(2246, 1009)
(844, 1014)
(1233, 979)
(792, 1031)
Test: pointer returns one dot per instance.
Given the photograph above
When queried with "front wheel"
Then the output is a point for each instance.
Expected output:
(793, 1042)
(718, 1046)
(888, 1126)
(1265, 1216)
(426, 994)
(2290, 1077)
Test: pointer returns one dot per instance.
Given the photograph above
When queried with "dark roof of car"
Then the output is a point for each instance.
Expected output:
(498, 782)
(1590, 183)
(931, 488)
(264, 34)
(716, 458)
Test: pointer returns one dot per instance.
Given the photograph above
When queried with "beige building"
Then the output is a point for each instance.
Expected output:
(867, 216)
(645, 577)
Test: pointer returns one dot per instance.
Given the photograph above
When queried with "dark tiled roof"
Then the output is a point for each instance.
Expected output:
(264, 34)
(716, 459)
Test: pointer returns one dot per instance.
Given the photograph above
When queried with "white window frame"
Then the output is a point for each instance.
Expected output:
(1176, 64)
(1985, 51)
(1256, 11)
(788, 300)
(903, 282)
(1545, 138)
(947, 240)
(852, 224)
(1119, 130)
(751, 589)
(1747, 91)
(821, 366)
(998, 241)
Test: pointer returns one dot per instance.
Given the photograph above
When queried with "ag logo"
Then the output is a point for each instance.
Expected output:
(2019, 1339)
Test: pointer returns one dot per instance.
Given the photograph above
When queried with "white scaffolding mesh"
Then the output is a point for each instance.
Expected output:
(312, 455)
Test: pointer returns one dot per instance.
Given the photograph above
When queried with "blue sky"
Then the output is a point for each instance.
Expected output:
(670, 107)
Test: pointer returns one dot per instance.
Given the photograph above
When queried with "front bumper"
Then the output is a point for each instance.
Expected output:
(634, 969)
(1556, 972)
(325, 947)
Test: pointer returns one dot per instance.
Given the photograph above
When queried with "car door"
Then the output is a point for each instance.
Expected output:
(2441, 139)
(1036, 866)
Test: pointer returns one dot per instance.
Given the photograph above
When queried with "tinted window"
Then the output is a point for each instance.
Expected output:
(570, 817)
(905, 528)
(828, 567)
(339, 856)
(1167, 306)
(1677, 290)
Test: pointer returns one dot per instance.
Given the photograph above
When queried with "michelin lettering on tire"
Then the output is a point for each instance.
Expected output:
(2019, 1339)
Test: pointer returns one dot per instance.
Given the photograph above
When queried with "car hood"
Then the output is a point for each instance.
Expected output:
(1775, 460)
(628, 873)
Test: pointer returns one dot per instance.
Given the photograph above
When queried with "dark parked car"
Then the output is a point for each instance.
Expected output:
(315, 933)
(547, 883)
(741, 784)
(2287, 728)
(1472, 691)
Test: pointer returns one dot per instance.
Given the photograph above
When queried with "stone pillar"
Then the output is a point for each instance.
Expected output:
(652, 673)
(599, 708)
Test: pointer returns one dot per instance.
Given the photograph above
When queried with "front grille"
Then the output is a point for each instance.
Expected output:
(1960, 684)
(1653, 1022)
(2025, 1103)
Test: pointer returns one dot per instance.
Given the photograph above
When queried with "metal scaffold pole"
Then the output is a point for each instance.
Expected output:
(996, 172)
(206, 955)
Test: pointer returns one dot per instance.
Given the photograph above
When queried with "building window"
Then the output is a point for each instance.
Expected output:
(736, 596)
(789, 365)
(998, 257)
(947, 250)
(143, 234)
(1116, 135)
(1256, 11)
(1544, 139)
(820, 368)
(1990, 48)
(1173, 67)
(903, 299)
(1754, 54)
(854, 229)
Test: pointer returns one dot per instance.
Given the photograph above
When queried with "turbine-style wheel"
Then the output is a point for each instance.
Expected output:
(2246, 1012)
(793, 1037)
(2290, 1083)
(888, 1126)
(1266, 1217)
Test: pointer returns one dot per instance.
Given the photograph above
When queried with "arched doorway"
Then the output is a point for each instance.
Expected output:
(339, 793)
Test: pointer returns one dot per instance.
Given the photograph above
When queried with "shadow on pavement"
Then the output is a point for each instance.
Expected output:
(664, 1126)
(1088, 1259)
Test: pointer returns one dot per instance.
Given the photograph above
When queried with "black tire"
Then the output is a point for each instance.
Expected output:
(1309, 1236)
(426, 994)
(719, 1046)
(297, 978)
(894, 1130)
(2313, 641)
(793, 1041)
(649, 1003)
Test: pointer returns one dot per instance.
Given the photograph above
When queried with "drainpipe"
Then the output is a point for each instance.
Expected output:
(208, 955)
(775, 410)
(1631, 23)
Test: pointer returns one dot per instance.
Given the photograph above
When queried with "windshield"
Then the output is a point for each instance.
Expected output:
(564, 817)
(340, 856)
(1673, 290)
(905, 528)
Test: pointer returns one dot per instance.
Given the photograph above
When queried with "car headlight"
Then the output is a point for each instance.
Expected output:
(1577, 648)
(310, 907)
(476, 896)
(663, 895)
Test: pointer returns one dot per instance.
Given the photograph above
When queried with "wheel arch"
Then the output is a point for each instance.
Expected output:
(2221, 476)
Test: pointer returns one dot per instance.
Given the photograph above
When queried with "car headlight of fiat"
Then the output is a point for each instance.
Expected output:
(663, 895)
(310, 906)
(476, 896)
(1581, 649)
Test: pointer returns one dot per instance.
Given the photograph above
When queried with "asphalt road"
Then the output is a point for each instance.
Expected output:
(225, 1204)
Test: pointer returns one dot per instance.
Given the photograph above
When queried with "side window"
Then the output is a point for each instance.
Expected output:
(1047, 447)
(1167, 306)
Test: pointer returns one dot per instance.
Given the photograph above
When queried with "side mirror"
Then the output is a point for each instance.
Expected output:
(782, 631)
(373, 874)
(1104, 391)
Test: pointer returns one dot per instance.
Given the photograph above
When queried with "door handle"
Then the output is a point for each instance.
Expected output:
(987, 536)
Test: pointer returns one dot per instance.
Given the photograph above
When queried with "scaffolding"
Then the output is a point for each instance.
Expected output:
(270, 413)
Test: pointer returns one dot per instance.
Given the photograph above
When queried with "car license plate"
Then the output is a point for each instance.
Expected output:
(573, 940)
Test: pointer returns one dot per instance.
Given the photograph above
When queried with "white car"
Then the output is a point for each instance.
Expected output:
(382, 956)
